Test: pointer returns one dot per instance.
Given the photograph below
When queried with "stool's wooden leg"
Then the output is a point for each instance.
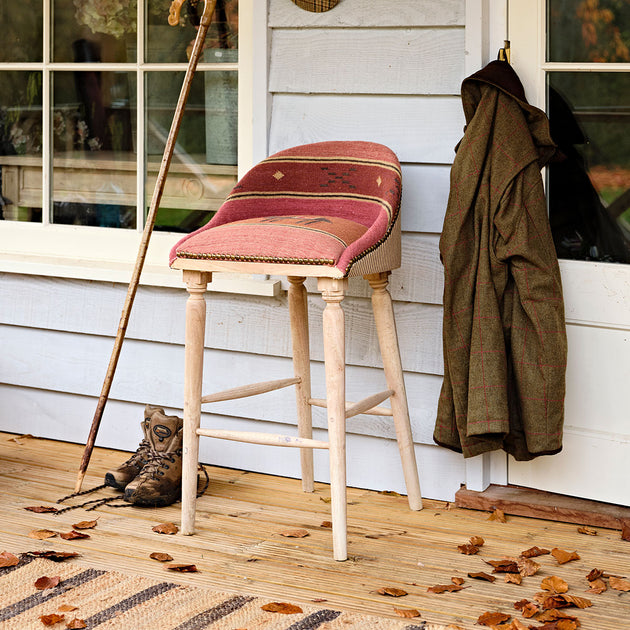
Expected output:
(298, 310)
(196, 283)
(388, 341)
(333, 291)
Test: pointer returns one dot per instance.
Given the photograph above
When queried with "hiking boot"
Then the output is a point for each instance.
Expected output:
(119, 477)
(159, 482)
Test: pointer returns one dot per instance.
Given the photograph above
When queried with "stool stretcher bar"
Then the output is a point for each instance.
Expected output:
(253, 389)
(373, 411)
(270, 439)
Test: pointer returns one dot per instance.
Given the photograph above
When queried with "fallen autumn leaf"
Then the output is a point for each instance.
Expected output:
(72, 535)
(563, 556)
(8, 559)
(392, 591)
(497, 515)
(42, 534)
(282, 608)
(165, 528)
(619, 584)
(554, 584)
(492, 618)
(41, 509)
(294, 533)
(160, 557)
(182, 568)
(407, 613)
(51, 620)
(480, 575)
(444, 588)
(45, 582)
(76, 623)
(85, 524)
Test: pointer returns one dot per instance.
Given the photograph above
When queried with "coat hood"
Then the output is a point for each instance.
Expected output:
(502, 76)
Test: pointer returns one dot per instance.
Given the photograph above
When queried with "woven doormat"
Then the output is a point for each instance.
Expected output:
(108, 599)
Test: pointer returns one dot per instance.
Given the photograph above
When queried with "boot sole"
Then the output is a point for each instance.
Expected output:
(112, 483)
(162, 501)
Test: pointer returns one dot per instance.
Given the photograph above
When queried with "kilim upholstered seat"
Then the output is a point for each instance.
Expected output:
(328, 210)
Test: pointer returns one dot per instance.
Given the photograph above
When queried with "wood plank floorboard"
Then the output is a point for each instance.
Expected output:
(238, 546)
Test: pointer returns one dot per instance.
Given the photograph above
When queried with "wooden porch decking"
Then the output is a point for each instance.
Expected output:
(239, 547)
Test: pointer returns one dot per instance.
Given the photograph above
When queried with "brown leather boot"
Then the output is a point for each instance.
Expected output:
(159, 482)
(119, 477)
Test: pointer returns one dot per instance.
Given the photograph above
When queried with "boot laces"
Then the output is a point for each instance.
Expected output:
(154, 461)
(140, 455)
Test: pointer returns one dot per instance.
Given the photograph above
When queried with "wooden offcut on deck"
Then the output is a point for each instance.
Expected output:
(239, 546)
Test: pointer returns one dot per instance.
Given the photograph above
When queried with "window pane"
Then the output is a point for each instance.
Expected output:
(588, 30)
(94, 162)
(201, 175)
(171, 44)
(22, 32)
(589, 190)
(21, 145)
(94, 30)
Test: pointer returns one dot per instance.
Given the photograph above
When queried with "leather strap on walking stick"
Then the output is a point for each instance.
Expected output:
(173, 19)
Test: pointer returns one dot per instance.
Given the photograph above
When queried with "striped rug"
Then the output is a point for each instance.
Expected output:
(108, 599)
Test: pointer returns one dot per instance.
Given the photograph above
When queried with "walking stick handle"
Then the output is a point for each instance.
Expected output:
(206, 19)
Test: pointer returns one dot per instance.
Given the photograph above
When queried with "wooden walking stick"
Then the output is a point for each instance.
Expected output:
(173, 20)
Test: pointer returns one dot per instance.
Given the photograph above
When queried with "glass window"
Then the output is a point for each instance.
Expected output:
(81, 144)
(588, 101)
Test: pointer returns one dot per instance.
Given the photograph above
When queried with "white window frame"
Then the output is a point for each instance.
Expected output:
(109, 254)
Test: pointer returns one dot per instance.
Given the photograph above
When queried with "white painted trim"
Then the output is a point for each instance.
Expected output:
(481, 47)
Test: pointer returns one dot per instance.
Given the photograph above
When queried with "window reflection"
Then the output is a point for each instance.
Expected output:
(588, 31)
(589, 186)
(20, 145)
(93, 151)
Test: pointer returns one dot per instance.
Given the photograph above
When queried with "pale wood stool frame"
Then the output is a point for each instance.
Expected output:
(197, 274)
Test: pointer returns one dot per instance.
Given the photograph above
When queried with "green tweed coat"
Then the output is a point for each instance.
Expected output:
(504, 331)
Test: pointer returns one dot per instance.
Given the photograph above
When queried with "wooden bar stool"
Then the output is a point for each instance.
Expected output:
(328, 210)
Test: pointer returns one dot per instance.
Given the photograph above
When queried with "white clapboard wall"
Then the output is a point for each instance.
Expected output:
(382, 70)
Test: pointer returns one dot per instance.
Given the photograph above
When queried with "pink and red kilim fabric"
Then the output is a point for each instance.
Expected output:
(327, 203)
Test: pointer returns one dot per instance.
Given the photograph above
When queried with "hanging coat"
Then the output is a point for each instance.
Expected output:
(504, 332)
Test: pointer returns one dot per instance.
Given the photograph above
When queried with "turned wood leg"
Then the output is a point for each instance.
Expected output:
(196, 283)
(390, 352)
(298, 311)
(333, 291)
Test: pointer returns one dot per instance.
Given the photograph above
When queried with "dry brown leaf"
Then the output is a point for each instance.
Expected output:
(563, 556)
(554, 584)
(42, 534)
(625, 529)
(480, 575)
(553, 615)
(8, 559)
(619, 584)
(165, 528)
(529, 610)
(282, 608)
(564, 601)
(492, 618)
(51, 620)
(326, 524)
(407, 613)
(444, 588)
(390, 493)
(515, 625)
(478, 541)
(25, 436)
(41, 509)
(72, 535)
(76, 623)
(527, 567)
(392, 591)
(67, 608)
(595, 574)
(45, 582)
(469, 549)
(534, 552)
(325, 499)
(55, 556)
(85, 524)
(507, 565)
(521, 603)
(589, 531)
(458, 580)
(160, 557)
(513, 578)
(597, 587)
(182, 568)
(294, 533)
(497, 515)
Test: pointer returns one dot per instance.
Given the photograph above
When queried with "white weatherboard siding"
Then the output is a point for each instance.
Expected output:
(382, 70)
